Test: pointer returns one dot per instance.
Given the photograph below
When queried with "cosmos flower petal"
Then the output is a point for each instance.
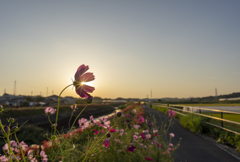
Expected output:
(87, 88)
(81, 69)
(87, 77)
(81, 93)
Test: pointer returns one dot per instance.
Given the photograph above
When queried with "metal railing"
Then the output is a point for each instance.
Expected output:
(200, 114)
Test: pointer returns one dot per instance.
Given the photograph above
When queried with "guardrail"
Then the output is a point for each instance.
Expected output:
(200, 114)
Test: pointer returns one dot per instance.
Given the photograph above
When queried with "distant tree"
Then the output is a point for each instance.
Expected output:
(81, 101)
(119, 98)
(25, 104)
(97, 98)
(39, 99)
(29, 98)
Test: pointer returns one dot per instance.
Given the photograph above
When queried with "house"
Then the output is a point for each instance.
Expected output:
(69, 100)
(11, 100)
(53, 98)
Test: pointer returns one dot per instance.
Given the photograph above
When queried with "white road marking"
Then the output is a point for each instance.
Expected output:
(228, 152)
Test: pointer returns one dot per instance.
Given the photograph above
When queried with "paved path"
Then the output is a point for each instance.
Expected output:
(193, 147)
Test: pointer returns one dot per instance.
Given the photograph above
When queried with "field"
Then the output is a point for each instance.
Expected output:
(207, 104)
(20, 112)
(233, 117)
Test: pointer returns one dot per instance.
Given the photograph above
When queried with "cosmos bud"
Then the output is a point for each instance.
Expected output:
(119, 114)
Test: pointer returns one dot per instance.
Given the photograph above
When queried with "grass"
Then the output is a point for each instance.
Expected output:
(207, 104)
(232, 117)
(91, 145)
(196, 123)
(19, 112)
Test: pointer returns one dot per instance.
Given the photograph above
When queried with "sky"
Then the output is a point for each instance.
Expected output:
(174, 48)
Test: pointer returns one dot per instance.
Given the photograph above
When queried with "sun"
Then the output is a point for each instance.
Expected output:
(88, 83)
(83, 83)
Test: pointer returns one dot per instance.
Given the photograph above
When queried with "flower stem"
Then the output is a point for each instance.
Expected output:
(55, 127)
(19, 147)
(10, 150)
(71, 128)
(77, 117)
(58, 106)
(93, 148)
(49, 120)
(70, 120)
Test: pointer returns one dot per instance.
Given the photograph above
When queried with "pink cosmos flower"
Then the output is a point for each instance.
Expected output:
(145, 131)
(170, 144)
(13, 143)
(167, 152)
(73, 107)
(149, 159)
(148, 136)
(24, 146)
(3, 158)
(135, 137)
(5, 147)
(83, 123)
(96, 133)
(134, 111)
(50, 110)
(131, 148)
(121, 130)
(136, 126)
(44, 156)
(171, 113)
(112, 130)
(80, 77)
(155, 131)
(104, 123)
(93, 120)
(141, 119)
(106, 143)
(143, 136)
(171, 135)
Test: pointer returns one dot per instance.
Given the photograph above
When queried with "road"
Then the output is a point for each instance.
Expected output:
(193, 147)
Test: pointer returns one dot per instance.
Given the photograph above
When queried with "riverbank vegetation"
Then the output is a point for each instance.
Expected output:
(196, 123)
(126, 136)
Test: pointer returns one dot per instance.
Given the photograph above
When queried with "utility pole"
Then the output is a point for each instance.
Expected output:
(52, 92)
(4, 90)
(47, 91)
(14, 91)
(216, 96)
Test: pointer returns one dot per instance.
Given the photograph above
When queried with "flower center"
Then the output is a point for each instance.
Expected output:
(77, 84)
